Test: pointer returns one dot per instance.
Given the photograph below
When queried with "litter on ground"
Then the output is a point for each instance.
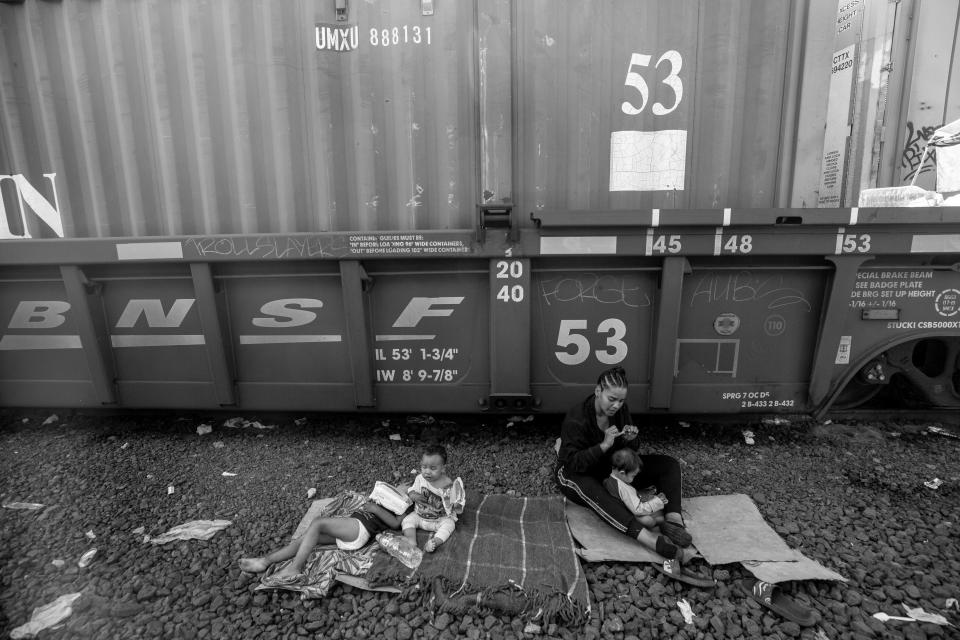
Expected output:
(193, 530)
(28, 506)
(241, 423)
(312, 491)
(228, 474)
(941, 431)
(933, 484)
(748, 437)
(918, 614)
(218, 445)
(86, 558)
(46, 616)
(685, 609)
(204, 429)
(51, 419)
(90, 535)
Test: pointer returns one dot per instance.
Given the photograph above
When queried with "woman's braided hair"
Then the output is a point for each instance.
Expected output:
(614, 377)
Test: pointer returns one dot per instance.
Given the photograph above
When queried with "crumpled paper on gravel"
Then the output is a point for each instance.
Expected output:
(193, 530)
(241, 423)
(46, 616)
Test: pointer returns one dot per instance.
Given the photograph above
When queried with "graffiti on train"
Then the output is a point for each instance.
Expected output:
(911, 160)
(279, 247)
(28, 198)
(745, 286)
(590, 288)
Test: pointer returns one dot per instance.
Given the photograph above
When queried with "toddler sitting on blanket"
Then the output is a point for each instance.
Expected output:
(348, 533)
(626, 465)
(437, 500)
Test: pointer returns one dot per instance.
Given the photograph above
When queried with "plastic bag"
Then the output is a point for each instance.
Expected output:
(46, 616)
(193, 530)
(905, 196)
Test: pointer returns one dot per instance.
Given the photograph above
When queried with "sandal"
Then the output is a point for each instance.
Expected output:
(771, 597)
(673, 569)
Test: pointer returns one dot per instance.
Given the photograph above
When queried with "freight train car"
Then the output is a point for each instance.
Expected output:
(420, 205)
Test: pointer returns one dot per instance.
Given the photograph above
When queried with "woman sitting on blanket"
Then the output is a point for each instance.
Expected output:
(349, 534)
(591, 432)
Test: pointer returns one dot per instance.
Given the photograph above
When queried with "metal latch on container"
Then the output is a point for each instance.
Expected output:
(426, 7)
(493, 216)
(342, 10)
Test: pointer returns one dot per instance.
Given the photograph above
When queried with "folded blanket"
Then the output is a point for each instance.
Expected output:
(514, 555)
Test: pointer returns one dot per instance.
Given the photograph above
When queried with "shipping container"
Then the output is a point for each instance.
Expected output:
(417, 205)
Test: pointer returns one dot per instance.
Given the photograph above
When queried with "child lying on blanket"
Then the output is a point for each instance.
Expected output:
(437, 500)
(349, 533)
(626, 464)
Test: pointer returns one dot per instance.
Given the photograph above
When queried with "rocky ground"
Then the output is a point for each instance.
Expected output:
(849, 495)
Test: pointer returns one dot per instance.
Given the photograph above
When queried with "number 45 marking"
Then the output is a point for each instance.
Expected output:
(636, 81)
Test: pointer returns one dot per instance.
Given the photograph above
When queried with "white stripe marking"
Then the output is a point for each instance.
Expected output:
(570, 484)
(15, 342)
(649, 249)
(143, 340)
(578, 244)
(149, 250)
(576, 565)
(400, 337)
(935, 243)
(473, 540)
(717, 241)
(854, 215)
(263, 339)
(726, 217)
(838, 249)
(523, 546)
(655, 218)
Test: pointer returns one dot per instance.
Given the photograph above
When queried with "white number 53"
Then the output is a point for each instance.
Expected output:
(566, 338)
(636, 81)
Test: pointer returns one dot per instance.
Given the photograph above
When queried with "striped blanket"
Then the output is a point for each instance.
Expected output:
(510, 554)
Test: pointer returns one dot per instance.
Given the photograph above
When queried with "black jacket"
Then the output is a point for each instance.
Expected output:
(580, 439)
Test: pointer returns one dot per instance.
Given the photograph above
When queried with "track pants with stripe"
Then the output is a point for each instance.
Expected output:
(661, 471)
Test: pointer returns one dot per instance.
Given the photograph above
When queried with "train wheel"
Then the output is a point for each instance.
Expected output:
(928, 372)
(856, 393)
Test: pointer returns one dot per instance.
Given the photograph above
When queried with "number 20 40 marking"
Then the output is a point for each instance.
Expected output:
(567, 338)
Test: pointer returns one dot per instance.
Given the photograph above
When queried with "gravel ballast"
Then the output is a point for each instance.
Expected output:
(851, 496)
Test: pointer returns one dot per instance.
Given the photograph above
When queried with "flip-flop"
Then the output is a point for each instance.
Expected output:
(771, 597)
(674, 570)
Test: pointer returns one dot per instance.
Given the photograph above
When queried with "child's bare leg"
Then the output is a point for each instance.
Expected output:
(648, 522)
(410, 534)
(444, 529)
(321, 531)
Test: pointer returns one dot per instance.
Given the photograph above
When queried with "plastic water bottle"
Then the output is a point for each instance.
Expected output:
(401, 548)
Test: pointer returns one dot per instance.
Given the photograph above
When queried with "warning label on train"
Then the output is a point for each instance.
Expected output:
(919, 293)
(404, 244)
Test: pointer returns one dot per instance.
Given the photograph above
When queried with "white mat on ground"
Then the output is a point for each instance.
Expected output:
(353, 581)
(725, 529)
